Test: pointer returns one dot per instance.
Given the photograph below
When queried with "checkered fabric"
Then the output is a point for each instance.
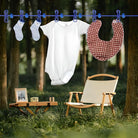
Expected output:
(100, 49)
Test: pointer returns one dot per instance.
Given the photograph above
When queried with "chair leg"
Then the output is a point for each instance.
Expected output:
(112, 107)
(67, 112)
(77, 99)
(102, 105)
(70, 98)
(80, 111)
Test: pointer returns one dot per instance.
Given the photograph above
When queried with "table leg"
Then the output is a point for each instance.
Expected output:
(46, 108)
(30, 111)
(21, 110)
(37, 109)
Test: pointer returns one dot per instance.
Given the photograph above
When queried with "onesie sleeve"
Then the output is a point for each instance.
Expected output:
(83, 27)
(47, 28)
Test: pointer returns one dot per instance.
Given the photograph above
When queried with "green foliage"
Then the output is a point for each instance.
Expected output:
(54, 124)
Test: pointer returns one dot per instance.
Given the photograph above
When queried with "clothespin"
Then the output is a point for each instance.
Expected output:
(44, 15)
(118, 15)
(6, 16)
(61, 15)
(80, 15)
(93, 15)
(56, 16)
(26, 15)
(21, 16)
(39, 15)
(11, 16)
(75, 15)
(123, 15)
(99, 15)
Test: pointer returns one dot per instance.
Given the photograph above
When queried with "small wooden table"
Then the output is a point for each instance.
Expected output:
(26, 105)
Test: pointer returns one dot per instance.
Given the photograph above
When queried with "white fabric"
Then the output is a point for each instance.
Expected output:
(104, 104)
(73, 103)
(63, 49)
(94, 89)
(34, 29)
(18, 30)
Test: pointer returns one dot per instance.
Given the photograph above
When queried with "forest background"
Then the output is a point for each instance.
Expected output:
(22, 63)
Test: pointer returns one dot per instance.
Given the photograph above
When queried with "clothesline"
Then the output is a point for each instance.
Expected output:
(61, 15)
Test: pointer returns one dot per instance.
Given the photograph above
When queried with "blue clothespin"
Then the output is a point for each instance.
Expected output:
(6, 16)
(118, 15)
(123, 15)
(11, 16)
(61, 15)
(21, 16)
(99, 15)
(80, 15)
(75, 15)
(93, 15)
(26, 15)
(56, 16)
(39, 15)
(44, 15)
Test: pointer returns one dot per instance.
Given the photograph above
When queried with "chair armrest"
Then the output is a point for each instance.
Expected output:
(75, 92)
(107, 93)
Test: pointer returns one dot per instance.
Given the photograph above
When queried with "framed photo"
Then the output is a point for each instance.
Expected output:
(21, 95)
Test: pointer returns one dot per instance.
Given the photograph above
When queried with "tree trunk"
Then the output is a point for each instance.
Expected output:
(104, 34)
(40, 64)
(119, 65)
(28, 40)
(3, 59)
(41, 53)
(84, 65)
(13, 79)
(126, 26)
(102, 66)
(131, 105)
(71, 7)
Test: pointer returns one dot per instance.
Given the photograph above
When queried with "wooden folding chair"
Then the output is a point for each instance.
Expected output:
(95, 93)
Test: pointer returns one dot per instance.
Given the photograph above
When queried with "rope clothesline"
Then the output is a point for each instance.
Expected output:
(61, 15)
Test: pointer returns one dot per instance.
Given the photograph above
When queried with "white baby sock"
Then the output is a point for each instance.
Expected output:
(34, 29)
(18, 30)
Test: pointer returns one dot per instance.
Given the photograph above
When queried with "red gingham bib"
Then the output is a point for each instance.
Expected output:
(100, 49)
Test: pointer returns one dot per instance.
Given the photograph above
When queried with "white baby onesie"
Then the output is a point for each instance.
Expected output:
(63, 49)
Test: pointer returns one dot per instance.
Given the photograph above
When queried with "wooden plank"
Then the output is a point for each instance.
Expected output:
(13, 105)
(106, 75)
(21, 104)
(82, 106)
(17, 104)
(43, 103)
(74, 92)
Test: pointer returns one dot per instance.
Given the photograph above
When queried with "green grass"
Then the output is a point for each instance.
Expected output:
(54, 124)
